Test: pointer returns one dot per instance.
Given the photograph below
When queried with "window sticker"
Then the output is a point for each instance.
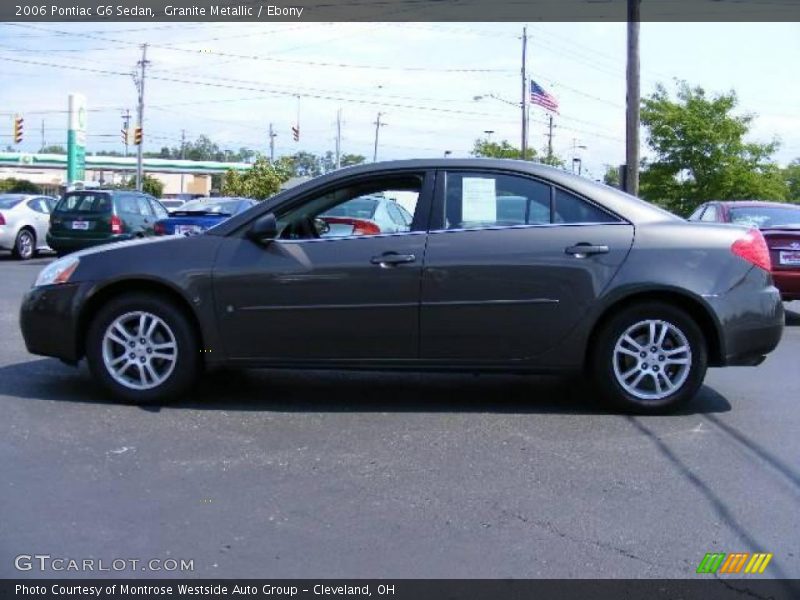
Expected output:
(478, 199)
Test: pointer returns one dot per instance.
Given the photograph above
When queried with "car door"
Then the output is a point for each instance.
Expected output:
(40, 213)
(325, 296)
(511, 266)
(146, 217)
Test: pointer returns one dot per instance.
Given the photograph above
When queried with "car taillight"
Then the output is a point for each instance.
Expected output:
(365, 228)
(159, 229)
(2, 219)
(753, 248)
(116, 224)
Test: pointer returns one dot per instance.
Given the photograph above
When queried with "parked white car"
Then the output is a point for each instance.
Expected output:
(24, 219)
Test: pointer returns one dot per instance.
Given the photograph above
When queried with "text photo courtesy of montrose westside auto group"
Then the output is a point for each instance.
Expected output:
(404, 300)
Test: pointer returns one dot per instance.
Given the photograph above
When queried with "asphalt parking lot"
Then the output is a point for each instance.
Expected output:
(269, 474)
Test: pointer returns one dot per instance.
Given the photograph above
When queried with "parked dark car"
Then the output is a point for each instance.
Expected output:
(780, 225)
(198, 215)
(90, 217)
(606, 284)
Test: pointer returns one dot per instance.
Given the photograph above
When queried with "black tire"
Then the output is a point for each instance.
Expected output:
(25, 245)
(605, 365)
(186, 366)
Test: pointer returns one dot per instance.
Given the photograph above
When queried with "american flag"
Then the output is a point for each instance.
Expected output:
(542, 98)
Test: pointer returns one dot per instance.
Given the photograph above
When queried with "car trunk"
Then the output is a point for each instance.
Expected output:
(784, 248)
(83, 216)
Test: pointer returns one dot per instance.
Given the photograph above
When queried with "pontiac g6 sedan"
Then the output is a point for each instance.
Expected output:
(505, 266)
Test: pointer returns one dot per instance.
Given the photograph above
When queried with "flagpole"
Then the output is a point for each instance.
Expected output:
(524, 103)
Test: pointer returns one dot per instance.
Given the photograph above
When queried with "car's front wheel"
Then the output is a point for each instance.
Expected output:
(143, 349)
(649, 358)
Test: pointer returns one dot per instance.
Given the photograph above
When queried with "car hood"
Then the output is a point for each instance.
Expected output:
(114, 246)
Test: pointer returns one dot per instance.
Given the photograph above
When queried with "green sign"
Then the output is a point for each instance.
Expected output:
(76, 139)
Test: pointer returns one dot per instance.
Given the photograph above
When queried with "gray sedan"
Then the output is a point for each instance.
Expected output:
(24, 219)
(505, 266)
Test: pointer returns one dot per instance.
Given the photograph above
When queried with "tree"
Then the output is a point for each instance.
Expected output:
(611, 176)
(150, 185)
(701, 154)
(348, 160)
(261, 181)
(485, 148)
(54, 150)
(791, 175)
(18, 186)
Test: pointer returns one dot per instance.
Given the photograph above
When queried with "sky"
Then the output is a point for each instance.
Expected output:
(230, 81)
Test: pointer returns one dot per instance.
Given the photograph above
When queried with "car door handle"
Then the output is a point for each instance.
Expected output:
(583, 250)
(392, 258)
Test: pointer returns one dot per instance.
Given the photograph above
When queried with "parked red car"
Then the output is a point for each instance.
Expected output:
(780, 225)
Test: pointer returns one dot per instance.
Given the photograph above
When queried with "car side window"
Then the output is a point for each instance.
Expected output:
(476, 200)
(710, 214)
(127, 204)
(143, 206)
(356, 209)
(569, 208)
(395, 214)
(697, 214)
(158, 210)
(39, 205)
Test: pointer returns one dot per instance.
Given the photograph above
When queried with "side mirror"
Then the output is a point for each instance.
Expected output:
(264, 229)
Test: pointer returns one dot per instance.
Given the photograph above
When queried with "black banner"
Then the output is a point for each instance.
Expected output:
(403, 589)
(395, 10)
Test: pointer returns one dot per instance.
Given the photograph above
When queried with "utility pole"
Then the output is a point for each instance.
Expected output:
(142, 64)
(43, 142)
(378, 126)
(550, 140)
(183, 152)
(633, 101)
(272, 136)
(339, 138)
(126, 123)
(524, 102)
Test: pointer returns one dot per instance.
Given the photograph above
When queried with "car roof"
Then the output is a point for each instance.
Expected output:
(754, 203)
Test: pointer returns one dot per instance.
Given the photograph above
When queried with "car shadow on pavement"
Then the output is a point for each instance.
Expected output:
(792, 318)
(337, 391)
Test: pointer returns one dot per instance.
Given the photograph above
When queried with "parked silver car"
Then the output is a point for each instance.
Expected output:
(24, 219)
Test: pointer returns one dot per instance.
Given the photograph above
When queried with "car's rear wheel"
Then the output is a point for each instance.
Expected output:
(143, 349)
(25, 244)
(649, 358)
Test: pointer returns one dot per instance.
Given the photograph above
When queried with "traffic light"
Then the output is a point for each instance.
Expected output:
(296, 133)
(137, 136)
(18, 129)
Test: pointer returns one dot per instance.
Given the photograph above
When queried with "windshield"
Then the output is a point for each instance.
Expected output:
(226, 207)
(765, 217)
(87, 202)
(10, 200)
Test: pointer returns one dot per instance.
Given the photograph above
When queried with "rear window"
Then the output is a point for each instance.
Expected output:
(9, 201)
(85, 203)
(766, 216)
(358, 208)
(227, 207)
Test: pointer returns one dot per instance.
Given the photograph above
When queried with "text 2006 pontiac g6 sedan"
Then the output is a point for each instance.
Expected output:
(490, 265)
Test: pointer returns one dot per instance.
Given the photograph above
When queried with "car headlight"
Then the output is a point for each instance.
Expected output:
(57, 272)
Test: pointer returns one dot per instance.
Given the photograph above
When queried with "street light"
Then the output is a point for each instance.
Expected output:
(447, 153)
(488, 133)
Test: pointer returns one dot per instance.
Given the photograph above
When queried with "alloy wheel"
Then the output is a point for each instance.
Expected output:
(652, 359)
(139, 350)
